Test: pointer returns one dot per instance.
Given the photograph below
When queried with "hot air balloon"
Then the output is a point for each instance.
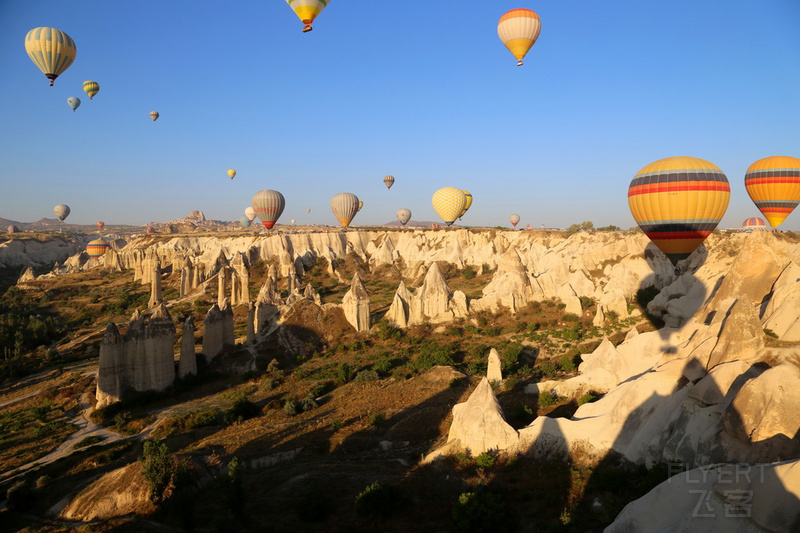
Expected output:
(308, 210)
(244, 221)
(678, 201)
(307, 10)
(101, 225)
(403, 215)
(268, 205)
(344, 206)
(250, 213)
(292, 221)
(91, 88)
(467, 203)
(773, 184)
(518, 30)
(96, 248)
(449, 202)
(514, 219)
(360, 205)
(61, 211)
(74, 102)
(154, 115)
(388, 181)
(231, 173)
(51, 50)
(754, 223)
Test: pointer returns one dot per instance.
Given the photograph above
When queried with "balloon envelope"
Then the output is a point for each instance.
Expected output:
(388, 181)
(403, 215)
(244, 221)
(754, 223)
(344, 206)
(268, 205)
(231, 173)
(307, 10)
(467, 203)
(91, 88)
(101, 225)
(154, 115)
(61, 211)
(773, 184)
(74, 102)
(52, 50)
(96, 248)
(449, 202)
(250, 213)
(678, 201)
(514, 219)
(518, 29)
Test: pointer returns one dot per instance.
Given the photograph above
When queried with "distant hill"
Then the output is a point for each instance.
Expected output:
(414, 223)
(4, 223)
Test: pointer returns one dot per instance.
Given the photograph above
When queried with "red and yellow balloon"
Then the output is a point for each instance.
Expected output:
(773, 184)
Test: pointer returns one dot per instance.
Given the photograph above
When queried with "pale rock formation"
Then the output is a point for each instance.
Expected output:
(599, 316)
(111, 378)
(494, 369)
(478, 425)
(398, 312)
(187, 277)
(734, 498)
(159, 341)
(187, 364)
(356, 305)
(121, 492)
(780, 314)
(567, 296)
(112, 260)
(26, 276)
(509, 287)
(213, 333)
(155, 287)
(678, 301)
(310, 294)
(266, 306)
(242, 277)
(222, 278)
(226, 316)
(251, 323)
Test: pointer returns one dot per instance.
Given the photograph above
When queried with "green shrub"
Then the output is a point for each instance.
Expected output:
(485, 461)
(469, 273)
(481, 511)
(367, 375)
(308, 403)
(344, 373)
(198, 419)
(567, 362)
(88, 441)
(586, 398)
(383, 365)
(242, 409)
(548, 399)
(379, 500)
(290, 407)
(156, 467)
(337, 424)
(377, 420)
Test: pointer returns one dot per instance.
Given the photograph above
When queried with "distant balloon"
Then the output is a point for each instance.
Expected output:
(519, 29)
(514, 219)
(308, 210)
(678, 201)
(467, 204)
(754, 223)
(101, 225)
(360, 205)
(74, 102)
(61, 211)
(154, 115)
(307, 10)
(250, 213)
(403, 215)
(96, 248)
(231, 173)
(449, 202)
(292, 221)
(91, 88)
(388, 181)
(773, 184)
(52, 50)
(268, 205)
(344, 206)
(244, 221)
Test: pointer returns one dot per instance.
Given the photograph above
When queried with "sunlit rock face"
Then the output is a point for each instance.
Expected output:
(140, 360)
(356, 305)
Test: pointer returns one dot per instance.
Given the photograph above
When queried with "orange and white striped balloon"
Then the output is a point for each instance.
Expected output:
(518, 30)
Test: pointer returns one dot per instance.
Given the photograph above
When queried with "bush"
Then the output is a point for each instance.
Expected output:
(344, 373)
(367, 375)
(308, 403)
(242, 409)
(481, 511)
(548, 399)
(586, 398)
(431, 354)
(469, 273)
(379, 500)
(88, 441)
(156, 468)
(383, 365)
(485, 461)
(290, 407)
(19, 497)
(377, 420)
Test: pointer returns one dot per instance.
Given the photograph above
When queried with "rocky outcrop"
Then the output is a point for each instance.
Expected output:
(398, 312)
(494, 370)
(217, 330)
(356, 305)
(121, 492)
(509, 287)
(140, 360)
(188, 361)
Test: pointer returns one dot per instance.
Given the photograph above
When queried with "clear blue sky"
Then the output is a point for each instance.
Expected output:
(421, 90)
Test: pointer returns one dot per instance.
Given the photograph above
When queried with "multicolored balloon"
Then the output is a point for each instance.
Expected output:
(773, 184)
(91, 88)
(678, 201)
(250, 213)
(52, 50)
(244, 221)
(388, 181)
(514, 219)
(154, 115)
(268, 205)
(754, 223)
(101, 225)
(307, 10)
(96, 248)
(74, 102)
(344, 206)
(61, 211)
(518, 29)
(449, 202)
(231, 173)
(403, 215)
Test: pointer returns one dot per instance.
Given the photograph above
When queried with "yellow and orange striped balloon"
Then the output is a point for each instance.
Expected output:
(754, 223)
(96, 248)
(518, 30)
(773, 184)
(678, 201)
(307, 10)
